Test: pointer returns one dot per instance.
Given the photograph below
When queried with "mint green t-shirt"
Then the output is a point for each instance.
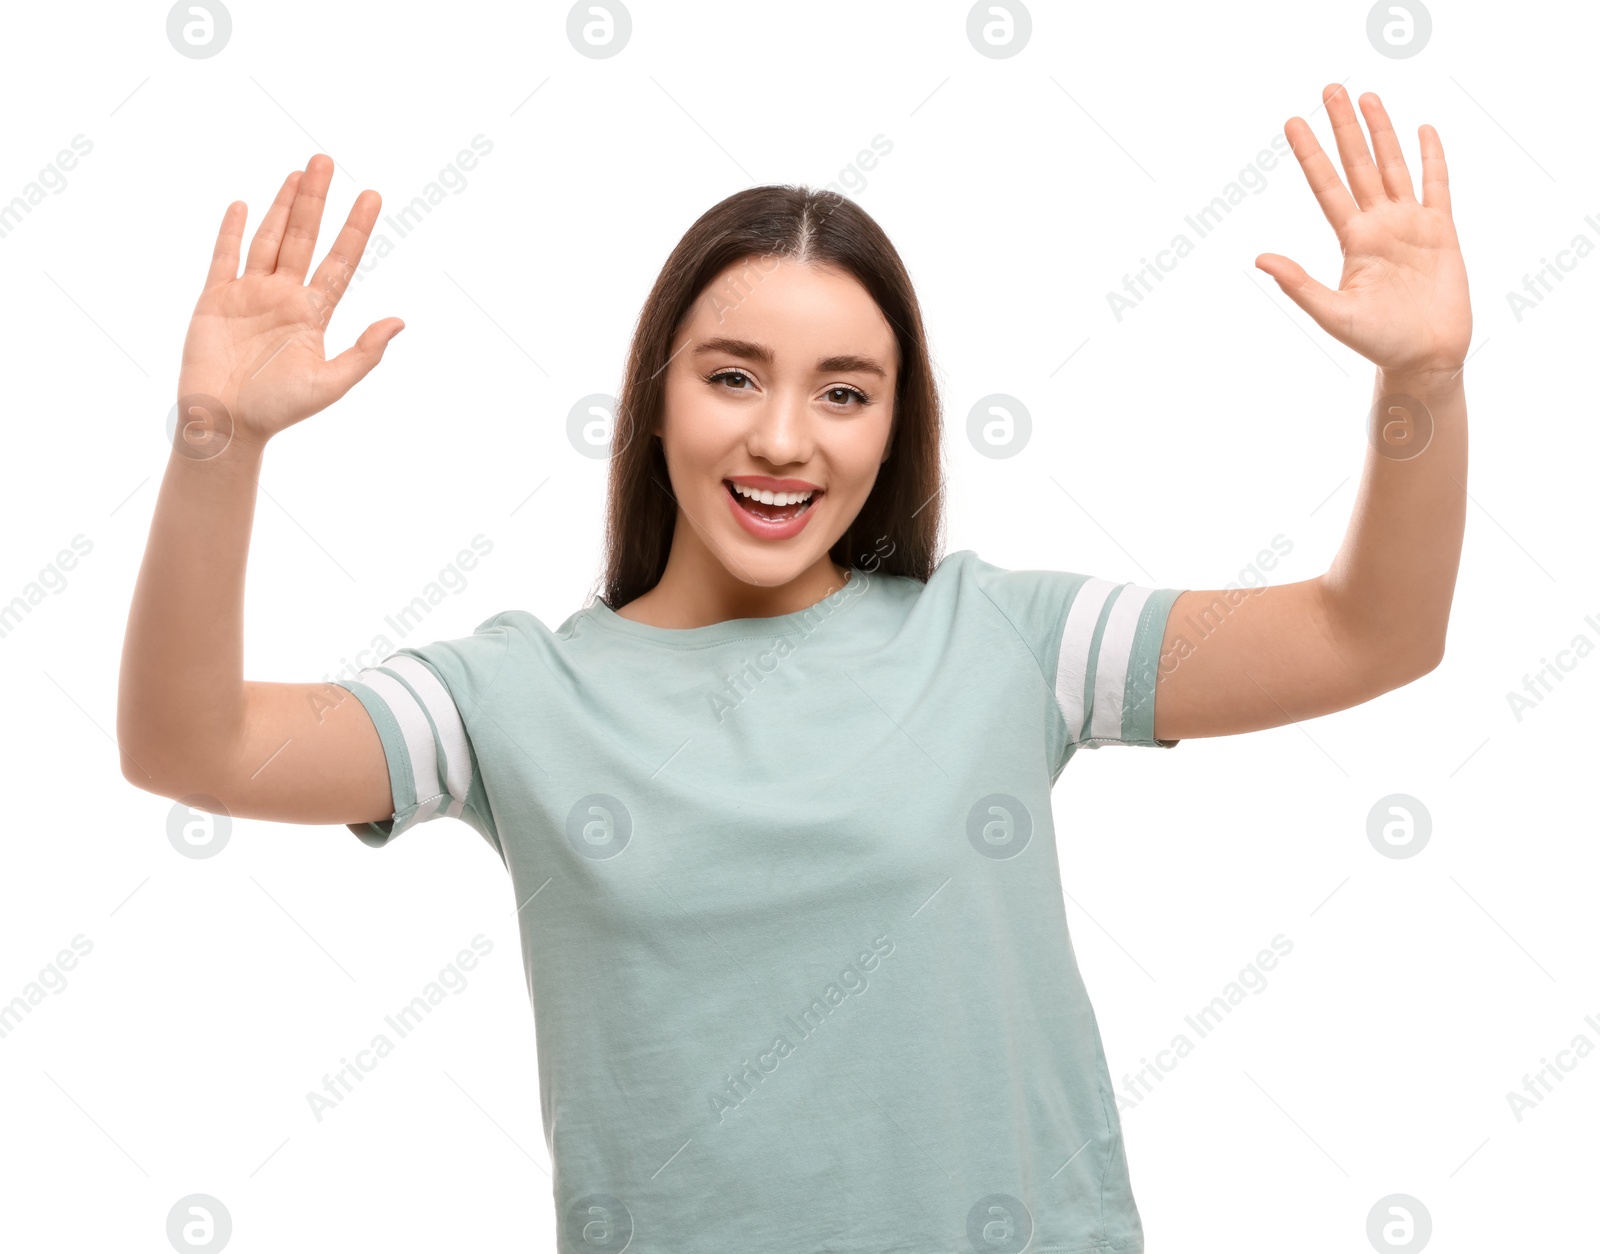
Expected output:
(792, 918)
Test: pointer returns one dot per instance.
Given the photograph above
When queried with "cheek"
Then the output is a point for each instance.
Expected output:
(856, 463)
(698, 438)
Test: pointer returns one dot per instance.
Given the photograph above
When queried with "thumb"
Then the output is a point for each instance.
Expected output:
(343, 372)
(1301, 288)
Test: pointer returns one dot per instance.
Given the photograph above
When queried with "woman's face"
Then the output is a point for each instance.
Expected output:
(782, 378)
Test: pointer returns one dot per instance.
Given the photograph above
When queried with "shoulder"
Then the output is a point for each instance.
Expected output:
(999, 604)
(1038, 608)
(509, 624)
(961, 569)
(1017, 594)
(527, 636)
(965, 566)
(470, 666)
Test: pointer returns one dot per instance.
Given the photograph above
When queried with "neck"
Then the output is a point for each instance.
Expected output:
(697, 589)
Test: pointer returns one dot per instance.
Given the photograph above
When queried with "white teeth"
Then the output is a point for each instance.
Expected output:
(772, 498)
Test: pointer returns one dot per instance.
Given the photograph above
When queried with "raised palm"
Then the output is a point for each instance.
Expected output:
(255, 342)
(1402, 297)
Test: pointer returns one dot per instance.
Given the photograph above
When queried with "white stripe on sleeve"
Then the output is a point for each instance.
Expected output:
(413, 726)
(1111, 667)
(1072, 668)
(446, 720)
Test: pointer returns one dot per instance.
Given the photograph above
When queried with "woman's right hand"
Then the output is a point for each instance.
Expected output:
(255, 340)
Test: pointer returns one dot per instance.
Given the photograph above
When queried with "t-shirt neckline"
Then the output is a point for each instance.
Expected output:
(798, 623)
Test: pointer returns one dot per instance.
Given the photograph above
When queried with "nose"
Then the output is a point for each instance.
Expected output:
(780, 429)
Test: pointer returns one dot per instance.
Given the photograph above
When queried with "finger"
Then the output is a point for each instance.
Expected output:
(264, 244)
(1317, 300)
(225, 256)
(305, 216)
(332, 277)
(1386, 145)
(1366, 184)
(351, 366)
(1337, 205)
(1435, 177)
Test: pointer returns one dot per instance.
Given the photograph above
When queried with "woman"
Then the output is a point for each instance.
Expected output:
(776, 808)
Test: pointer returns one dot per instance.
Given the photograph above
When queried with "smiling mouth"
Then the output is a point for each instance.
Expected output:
(770, 513)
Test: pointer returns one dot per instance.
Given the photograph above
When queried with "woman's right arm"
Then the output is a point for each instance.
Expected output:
(253, 364)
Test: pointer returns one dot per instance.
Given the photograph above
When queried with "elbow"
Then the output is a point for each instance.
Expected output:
(144, 764)
(134, 773)
(144, 768)
(1386, 669)
(136, 753)
(159, 755)
(1429, 658)
(156, 768)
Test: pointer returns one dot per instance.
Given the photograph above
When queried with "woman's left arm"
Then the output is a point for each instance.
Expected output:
(1238, 660)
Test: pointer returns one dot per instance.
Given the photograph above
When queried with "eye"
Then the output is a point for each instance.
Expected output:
(849, 392)
(725, 374)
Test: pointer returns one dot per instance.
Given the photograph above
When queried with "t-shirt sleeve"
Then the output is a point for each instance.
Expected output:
(421, 700)
(1098, 646)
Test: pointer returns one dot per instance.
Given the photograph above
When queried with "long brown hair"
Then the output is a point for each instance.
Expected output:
(897, 528)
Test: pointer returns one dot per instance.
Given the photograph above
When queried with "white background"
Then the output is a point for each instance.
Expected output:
(1170, 450)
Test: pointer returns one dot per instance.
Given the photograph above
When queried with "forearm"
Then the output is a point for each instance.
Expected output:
(1388, 590)
(180, 701)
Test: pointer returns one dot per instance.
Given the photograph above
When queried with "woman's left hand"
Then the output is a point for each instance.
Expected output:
(1402, 298)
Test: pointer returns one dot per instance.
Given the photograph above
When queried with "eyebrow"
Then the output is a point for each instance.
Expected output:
(752, 351)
